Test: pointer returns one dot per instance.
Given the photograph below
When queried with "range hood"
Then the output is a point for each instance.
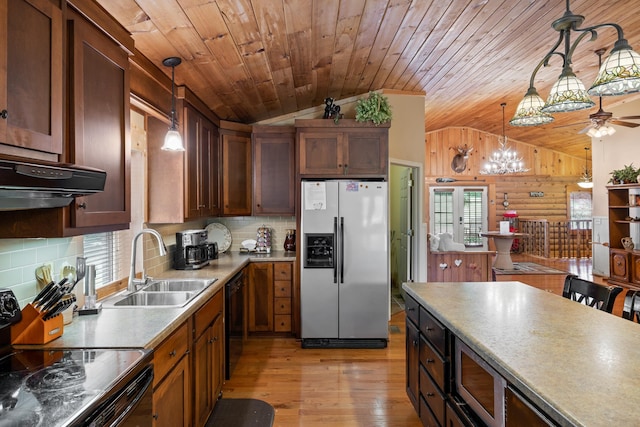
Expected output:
(34, 186)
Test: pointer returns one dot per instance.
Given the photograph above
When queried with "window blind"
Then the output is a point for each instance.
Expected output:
(104, 251)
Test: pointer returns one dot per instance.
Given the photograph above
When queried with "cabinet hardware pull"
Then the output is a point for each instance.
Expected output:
(431, 361)
(172, 353)
(4, 114)
(427, 329)
(415, 343)
(155, 416)
(82, 205)
(430, 394)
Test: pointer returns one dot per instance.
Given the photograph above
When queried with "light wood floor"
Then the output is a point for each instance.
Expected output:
(336, 387)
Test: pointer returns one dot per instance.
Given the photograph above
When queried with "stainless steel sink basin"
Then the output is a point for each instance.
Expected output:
(155, 299)
(178, 285)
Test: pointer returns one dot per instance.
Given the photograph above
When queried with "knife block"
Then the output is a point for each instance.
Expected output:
(33, 330)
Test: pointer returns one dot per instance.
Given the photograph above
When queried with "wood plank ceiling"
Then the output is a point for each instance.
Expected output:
(250, 60)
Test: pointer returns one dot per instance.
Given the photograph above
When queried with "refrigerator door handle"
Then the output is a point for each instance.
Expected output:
(333, 252)
(341, 249)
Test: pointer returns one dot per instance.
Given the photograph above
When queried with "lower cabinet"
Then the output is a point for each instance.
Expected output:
(269, 297)
(468, 266)
(171, 385)
(431, 385)
(208, 358)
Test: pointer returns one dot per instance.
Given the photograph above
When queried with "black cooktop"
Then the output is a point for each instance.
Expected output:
(51, 387)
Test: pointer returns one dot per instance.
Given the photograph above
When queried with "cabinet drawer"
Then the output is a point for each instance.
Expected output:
(430, 393)
(282, 288)
(282, 306)
(436, 365)
(207, 314)
(411, 309)
(282, 271)
(426, 416)
(434, 331)
(169, 353)
(282, 323)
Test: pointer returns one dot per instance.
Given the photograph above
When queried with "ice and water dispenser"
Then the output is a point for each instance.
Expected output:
(319, 250)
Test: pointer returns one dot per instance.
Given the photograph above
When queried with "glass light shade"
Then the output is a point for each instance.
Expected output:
(618, 75)
(585, 184)
(528, 112)
(601, 131)
(173, 141)
(567, 94)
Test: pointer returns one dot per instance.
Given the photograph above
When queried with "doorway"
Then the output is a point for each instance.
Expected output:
(403, 225)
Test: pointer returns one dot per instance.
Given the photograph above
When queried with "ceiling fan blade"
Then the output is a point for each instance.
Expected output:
(627, 118)
(570, 125)
(626, 124)
(585, 130)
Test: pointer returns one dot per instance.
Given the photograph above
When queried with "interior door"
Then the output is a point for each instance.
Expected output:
(461, 211)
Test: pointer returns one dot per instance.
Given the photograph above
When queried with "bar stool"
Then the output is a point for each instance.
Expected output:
(589, 293)
(631, 309)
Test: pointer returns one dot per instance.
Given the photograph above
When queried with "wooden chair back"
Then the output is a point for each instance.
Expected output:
(631, 309)
(590, 293)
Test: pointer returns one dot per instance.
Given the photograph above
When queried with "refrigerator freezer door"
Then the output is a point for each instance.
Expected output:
(363, 260)
(318, 292)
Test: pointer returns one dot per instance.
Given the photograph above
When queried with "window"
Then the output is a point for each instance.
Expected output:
(104, 251)
(461, 212)
(580, 210)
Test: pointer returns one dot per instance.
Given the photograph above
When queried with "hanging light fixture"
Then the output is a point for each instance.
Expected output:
(618, 75)
(586, 181)
(504, 160)
(173, 139)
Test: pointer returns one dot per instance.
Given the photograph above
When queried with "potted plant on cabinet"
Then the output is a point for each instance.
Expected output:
(626, 175)
(375, 108)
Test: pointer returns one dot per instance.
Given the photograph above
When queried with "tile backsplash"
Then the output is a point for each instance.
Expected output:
(243, 228)
(19, 259)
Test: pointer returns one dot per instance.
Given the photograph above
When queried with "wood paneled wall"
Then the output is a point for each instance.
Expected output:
(552, 173)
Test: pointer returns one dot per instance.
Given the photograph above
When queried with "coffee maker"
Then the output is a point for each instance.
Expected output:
(191, 250)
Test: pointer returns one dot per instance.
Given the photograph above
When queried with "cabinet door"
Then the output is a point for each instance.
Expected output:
(171, 398)
(261, 297)
(192, 168)
(217, 357)
(202, 379)
(31, 79)
(100, 117)
(520, 412)
(619, 265)
(413, 364)
(210, 190)
(366, 152)
(236, 171)
(273, 166)
(321, 153)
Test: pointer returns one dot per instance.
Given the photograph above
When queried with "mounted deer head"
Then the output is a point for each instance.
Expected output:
(459, 162)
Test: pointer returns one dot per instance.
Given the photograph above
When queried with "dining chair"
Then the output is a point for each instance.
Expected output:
(631, 309)
(590, 293)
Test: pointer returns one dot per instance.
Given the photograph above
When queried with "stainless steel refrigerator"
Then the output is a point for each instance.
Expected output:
(344, 277)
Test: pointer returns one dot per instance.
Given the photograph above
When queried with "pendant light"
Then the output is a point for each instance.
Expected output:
(587, 181)
(618, 75)
(173, 139)
(504, 160)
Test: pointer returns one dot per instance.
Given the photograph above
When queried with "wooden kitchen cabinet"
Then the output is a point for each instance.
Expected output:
(31, 79)
(183, 185)
(171, 382)
(273, 170)
(99, 136)
(624, 212)
(350, 149)
(236, 169)
(208, 358)
(270, 297)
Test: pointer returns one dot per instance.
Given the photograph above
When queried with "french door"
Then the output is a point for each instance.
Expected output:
(461, 211)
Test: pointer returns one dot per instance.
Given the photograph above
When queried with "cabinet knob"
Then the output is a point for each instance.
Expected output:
(82, 205)
(172, 353)
(155, 416)
(431, 361)
(4, 114)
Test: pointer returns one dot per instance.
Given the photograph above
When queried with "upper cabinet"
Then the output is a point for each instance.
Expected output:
(31, 79)
(184, 185)
(99, 117)
(236, 169)
(273, 170)
(348, 149)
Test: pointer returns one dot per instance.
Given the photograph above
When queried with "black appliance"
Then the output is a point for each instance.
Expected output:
(192, 250)
(33, 186)
(234, 322)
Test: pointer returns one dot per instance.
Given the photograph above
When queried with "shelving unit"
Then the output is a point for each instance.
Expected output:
(624, 221)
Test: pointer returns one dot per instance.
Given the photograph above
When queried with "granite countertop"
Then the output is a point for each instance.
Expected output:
(132, 327)
(579, 365)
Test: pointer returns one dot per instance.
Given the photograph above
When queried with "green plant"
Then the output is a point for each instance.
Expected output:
(375, 108)
(625, 175)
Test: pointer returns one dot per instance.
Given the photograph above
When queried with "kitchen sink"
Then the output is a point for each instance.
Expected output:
(178, 285)
(155, 299)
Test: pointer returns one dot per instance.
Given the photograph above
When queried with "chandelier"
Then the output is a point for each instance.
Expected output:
(586, 181)
(503, 161)
(618, 75)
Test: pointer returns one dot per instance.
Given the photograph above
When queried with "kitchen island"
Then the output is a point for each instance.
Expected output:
(579, 366)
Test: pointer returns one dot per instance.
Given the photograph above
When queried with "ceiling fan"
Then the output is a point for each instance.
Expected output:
(598, 124)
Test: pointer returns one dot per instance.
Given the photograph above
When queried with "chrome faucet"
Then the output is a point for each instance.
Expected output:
(133, 282)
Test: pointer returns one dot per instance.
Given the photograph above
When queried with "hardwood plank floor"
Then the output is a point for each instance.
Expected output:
(327, 387)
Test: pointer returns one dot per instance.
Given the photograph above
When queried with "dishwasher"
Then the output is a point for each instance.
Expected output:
(234, 321)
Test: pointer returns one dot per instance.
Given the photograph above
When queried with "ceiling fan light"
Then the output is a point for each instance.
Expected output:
(593, 133)
(610, 130)
(528, 112)
(619, 74)
(567, 94)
